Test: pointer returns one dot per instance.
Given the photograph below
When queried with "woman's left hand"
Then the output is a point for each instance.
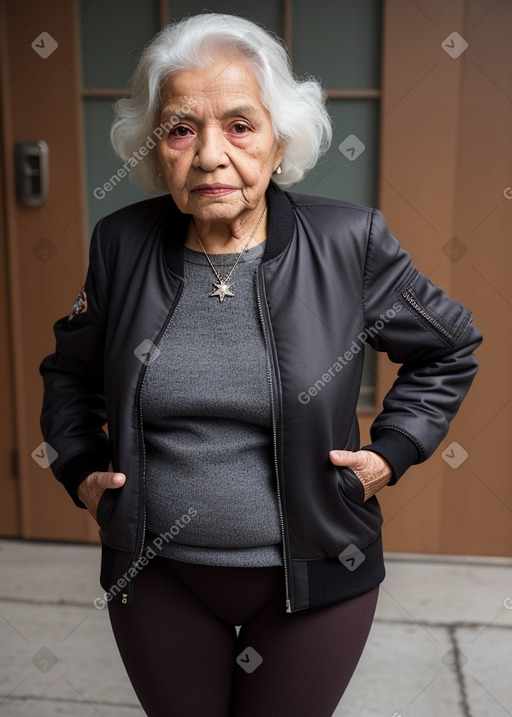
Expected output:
(373, 471)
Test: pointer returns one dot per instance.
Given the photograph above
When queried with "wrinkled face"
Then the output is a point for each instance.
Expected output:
(219, 158)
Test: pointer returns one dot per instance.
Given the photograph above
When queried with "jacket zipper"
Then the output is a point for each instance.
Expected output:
(411, 299)
(274, 437)
(141, 418)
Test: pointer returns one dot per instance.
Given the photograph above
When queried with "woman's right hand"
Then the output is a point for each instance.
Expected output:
(92, 488)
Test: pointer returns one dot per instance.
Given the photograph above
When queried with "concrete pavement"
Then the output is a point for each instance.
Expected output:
(440, 645)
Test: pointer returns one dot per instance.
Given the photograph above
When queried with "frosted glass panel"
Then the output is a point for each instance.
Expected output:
(350, 174)
(102, 163)
(113, 36)
(268, 13)
(339, 42)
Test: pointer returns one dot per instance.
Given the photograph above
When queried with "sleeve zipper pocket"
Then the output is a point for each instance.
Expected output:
(410, 297)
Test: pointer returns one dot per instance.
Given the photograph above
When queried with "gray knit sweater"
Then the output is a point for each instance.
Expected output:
(210, 483)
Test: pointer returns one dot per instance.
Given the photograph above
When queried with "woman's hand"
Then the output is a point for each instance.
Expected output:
(92, 488)
(373, 471)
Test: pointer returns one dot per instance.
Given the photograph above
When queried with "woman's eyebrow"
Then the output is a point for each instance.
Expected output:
(246, 110)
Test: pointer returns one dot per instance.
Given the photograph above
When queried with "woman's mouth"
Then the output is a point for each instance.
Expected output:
(214, 190)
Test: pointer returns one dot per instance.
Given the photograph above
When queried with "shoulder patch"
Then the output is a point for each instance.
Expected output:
(80, 305)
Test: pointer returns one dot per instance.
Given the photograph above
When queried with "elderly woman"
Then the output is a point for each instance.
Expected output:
(220, 336)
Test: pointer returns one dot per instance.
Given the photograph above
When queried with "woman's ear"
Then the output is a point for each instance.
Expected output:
(279, 156)
(156, 165)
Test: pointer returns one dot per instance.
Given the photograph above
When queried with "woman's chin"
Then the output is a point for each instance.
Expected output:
(217, 209)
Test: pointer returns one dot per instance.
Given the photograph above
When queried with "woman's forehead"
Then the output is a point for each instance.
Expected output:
(233, 78)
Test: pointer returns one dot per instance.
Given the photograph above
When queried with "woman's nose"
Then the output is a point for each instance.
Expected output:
(211, 150)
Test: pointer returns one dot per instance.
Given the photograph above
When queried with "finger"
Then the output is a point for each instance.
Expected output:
(101, 481)
(117, 479)
(110, 480)
(344, 458)
(97, 483)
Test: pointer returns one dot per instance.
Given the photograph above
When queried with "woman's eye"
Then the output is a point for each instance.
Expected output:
(180, 131)
(240, 128)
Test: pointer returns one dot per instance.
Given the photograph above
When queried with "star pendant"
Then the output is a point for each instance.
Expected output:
(222, 289)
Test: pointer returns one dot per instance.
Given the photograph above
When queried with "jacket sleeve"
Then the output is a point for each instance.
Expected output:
(73, 411)
(430, 335)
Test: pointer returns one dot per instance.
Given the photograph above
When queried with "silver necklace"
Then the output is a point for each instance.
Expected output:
(222, 288)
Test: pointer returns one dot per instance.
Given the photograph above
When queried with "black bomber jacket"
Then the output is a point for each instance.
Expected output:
(332, 279)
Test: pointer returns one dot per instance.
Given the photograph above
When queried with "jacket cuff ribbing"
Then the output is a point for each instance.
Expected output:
(78, 467)
(397, 449)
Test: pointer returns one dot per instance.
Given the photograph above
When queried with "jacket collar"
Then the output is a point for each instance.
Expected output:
(281, 225)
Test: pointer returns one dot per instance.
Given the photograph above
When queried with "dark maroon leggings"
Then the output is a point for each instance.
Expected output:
(180, 647)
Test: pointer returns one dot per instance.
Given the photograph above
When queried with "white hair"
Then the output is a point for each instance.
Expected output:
(297, 106)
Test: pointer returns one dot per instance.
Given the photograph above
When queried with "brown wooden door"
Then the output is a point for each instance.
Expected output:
(45, 248)
(9, 486)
